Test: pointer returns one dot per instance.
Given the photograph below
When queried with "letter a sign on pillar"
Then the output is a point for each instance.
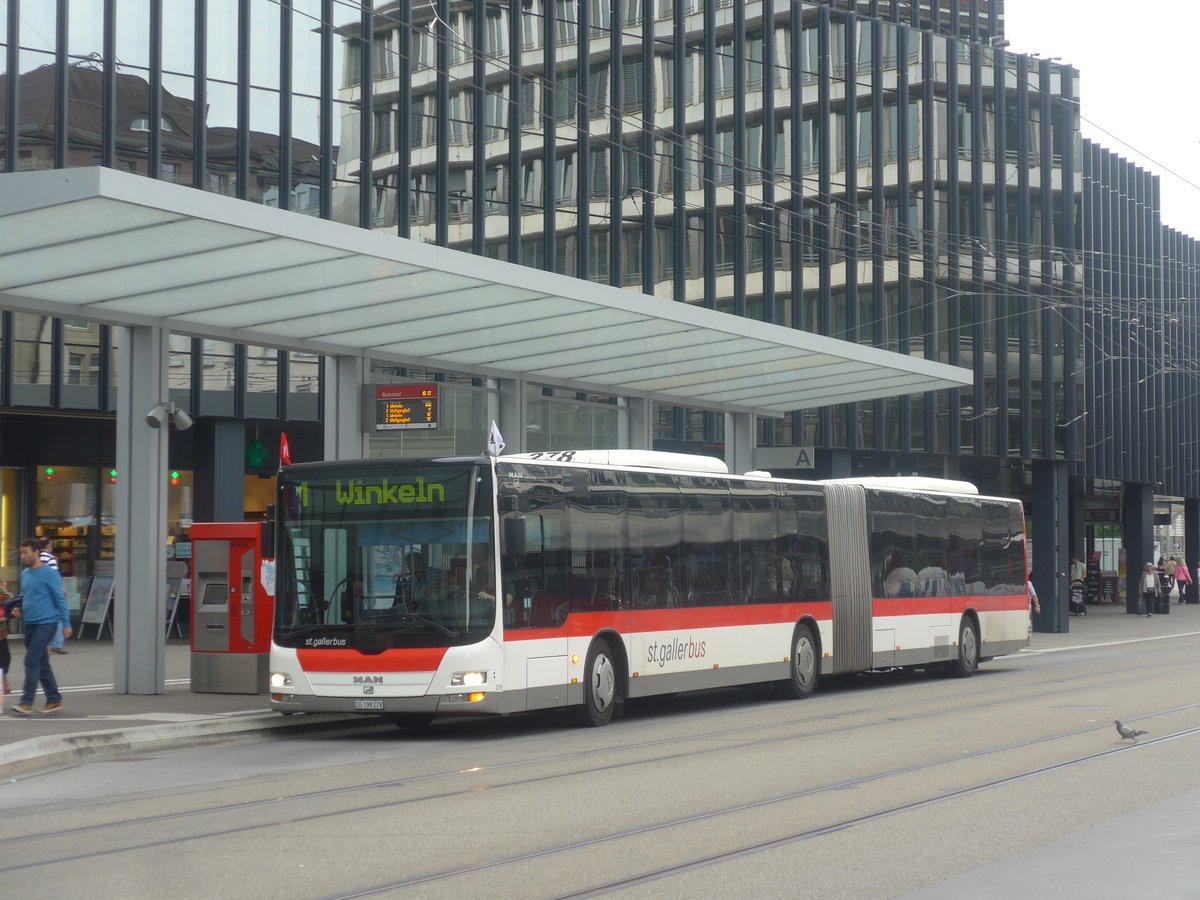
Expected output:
(784, 458)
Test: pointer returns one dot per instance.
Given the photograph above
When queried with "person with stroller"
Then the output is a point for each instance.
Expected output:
(1078, 587)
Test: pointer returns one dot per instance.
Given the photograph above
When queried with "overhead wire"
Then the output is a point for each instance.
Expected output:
(830, 231)
(869, 325)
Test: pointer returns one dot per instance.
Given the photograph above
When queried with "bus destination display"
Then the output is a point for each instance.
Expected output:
(404, 406)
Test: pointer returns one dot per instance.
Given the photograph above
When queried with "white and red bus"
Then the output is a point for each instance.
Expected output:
(416, 588)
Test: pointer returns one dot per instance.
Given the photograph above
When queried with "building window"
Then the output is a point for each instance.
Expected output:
(723, 78)
(724, 156)
(418, 133)
(633, 84)
(142, 123)
(531, 181)
(598, 174)
(598, 93)
(567, 29)
(566, 90)
(383, 61)
(495, 115)
(600, 13)
(383, 131)
(497, 32)
(564, 180)
(75, 368)
(460, 119)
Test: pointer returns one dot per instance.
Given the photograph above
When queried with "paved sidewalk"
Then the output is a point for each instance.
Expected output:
(94, 722)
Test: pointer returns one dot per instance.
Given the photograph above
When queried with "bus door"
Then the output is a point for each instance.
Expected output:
(850, 577)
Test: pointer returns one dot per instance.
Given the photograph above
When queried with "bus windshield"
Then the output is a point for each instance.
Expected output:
(375, 555)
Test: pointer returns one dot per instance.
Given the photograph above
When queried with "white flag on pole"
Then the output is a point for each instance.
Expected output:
(495, 444)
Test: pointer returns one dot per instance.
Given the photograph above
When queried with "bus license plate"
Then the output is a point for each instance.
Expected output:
(368, 704)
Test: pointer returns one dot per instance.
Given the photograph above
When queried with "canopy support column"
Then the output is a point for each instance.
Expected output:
(345, 432)
(640, 431)
(512, 415)
(739, 442)
(140, 570)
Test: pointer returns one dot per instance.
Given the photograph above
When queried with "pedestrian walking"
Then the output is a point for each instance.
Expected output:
(46, 555)
(5, 653)
(1183, 578)
(1149, 589)
(1034, 606)
(43, 608)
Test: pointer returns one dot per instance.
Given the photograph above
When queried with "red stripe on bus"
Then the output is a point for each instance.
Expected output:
(337, 659)
(583, 624)
(920, 606)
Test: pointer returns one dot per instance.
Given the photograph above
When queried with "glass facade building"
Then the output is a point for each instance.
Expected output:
(848, 169)
(881, 171)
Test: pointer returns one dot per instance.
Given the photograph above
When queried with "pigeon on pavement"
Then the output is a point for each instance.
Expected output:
(1126, 732)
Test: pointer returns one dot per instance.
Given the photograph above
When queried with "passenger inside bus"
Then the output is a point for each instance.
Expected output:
(417, 584)
(655, 588)
(448, 598)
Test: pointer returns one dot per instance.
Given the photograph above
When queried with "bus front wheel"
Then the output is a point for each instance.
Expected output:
(600, 692)
(802, 670)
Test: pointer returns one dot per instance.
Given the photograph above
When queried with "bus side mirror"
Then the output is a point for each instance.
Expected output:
(514, 537)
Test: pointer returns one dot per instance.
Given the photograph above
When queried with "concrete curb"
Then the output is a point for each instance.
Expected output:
(55, 751)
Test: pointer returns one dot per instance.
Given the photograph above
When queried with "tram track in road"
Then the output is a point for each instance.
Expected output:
(784, 840)
(274, 817)
(751, 735)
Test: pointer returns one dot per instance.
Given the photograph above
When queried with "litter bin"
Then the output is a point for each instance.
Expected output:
(1162, 605)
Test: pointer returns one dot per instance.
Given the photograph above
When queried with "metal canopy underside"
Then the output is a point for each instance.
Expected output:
(112, 247)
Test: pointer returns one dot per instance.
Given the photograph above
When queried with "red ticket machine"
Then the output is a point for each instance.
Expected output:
(231, 608)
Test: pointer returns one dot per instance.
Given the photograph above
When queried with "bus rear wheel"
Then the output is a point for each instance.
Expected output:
(600, 686)
(802, 670)
(967, 662)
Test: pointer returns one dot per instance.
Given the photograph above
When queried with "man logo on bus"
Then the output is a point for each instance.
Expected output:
(368, 679)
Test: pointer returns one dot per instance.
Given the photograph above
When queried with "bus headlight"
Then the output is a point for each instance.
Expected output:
(281, 680)
(468, 679)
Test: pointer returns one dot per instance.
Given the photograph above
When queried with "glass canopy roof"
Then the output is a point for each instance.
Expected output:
(107, 246)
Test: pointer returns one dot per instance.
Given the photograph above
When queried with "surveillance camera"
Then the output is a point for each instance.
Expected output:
(157, 417)
(180, 419)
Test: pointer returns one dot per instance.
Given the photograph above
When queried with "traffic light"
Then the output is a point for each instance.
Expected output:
(256, 454)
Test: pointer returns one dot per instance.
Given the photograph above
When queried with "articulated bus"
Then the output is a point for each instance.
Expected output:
(421, 588)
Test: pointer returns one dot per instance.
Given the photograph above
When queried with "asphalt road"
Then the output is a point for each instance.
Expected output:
(877, 786)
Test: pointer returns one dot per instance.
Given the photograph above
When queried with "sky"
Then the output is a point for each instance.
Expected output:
(1138, 66)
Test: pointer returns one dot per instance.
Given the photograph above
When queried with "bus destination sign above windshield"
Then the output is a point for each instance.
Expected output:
(404, 406)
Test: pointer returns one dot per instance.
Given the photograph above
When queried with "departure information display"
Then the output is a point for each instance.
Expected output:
(404, 406)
